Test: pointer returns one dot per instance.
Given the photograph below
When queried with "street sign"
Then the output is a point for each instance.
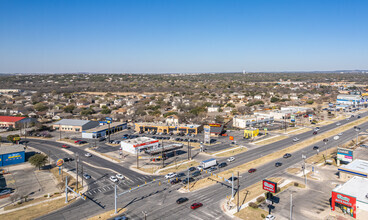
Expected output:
(59, 162)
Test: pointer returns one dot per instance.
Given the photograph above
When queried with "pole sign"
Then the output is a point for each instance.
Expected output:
(16, 138)
(345, 155)
(269, 186)
(231, 138)
(59, 162)
(207, 134)
(292, 118)
(108, 120)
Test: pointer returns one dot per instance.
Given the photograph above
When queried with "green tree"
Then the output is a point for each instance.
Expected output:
(69, 108)
(170, 113)
(274, 99)
(11, 138)
(40, 107)
(38, 160)
(310, 101)
(106, 111)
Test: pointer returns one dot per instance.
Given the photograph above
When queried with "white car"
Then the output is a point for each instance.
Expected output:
(120, 176)
(338, 124)
(270, 217)
(200, 168)
(340, 134)
(170, 175)
(113, 179)
(296, 139)
(88, 155)
(230, 159)
(336, 138)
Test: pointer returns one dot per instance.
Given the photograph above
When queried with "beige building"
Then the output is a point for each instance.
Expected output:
(74, 125)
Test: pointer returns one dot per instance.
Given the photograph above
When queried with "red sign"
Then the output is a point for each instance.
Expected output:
(59, 162)
(345, 200)
(147, 143)
(215, 125)
(269, 186)
(231, 138)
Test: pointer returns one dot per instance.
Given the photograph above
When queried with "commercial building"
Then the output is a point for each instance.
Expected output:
(251, 120)
(346, 99)
(74, 125)
(351, 197)
(139, 144)
(10, 155)
(14, 122)
(167, 128)
(104, 130)
(356, 168)
(216, 129)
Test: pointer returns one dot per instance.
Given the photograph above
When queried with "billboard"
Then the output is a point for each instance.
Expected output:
(345, 155)
(13, 158)
(269, 186)
(207, 133)
(292, 118)
(348, 202)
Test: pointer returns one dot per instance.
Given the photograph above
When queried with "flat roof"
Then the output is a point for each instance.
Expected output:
(357, 165)
(11, 149)
(164, 124)
(104, 127)
(72, 122)
(139, 140)
(356, 187)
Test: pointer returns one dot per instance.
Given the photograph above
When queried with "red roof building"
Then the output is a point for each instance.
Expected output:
(11, 121)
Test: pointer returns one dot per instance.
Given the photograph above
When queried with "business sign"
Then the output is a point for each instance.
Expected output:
(16, 138)
(215, 125)
(292, 118)
(269, 186)
(345, 155)
(147, 143)
(231, 138)
(348, 202)
(310, 116)
(108, 120)
(207, 133)
(59, 162)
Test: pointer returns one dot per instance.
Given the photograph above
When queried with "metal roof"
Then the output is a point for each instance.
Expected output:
(104, 127)
(11, 149)
(72, 122)
(356, 165)
(356, 187)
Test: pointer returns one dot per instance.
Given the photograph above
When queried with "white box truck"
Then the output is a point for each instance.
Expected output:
(208, 163)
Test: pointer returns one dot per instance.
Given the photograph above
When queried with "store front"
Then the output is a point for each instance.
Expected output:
(345, 203)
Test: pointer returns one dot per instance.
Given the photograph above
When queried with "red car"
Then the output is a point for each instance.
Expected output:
(314, 133)
(77, 141)
(196, 205)
(252, 170)
(65, 146)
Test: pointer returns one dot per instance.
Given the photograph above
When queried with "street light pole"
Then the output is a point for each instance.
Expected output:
(291, 206)
(77, 161)
(238, 188)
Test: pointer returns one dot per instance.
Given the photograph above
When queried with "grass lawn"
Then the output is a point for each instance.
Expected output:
(230, 152)
(271, 140)
(250, 213)
(299, 130)
(31, 201)
(107, 215)
(180, 166)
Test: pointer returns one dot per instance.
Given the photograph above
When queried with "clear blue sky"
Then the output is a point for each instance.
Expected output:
(156, 36)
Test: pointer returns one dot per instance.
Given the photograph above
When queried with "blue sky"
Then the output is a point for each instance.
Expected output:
(154, 36)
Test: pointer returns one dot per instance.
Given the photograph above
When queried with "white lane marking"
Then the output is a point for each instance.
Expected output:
(195, 217)
(99, 190)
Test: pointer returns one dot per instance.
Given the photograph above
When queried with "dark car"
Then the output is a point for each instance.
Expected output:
(315, 148)
(314, 133)
(86, 176)
(5, 191)
(82, 142)
(196, 205)
(287, 155)
(196, 173)
(192, 169)
(67, 159)
(175, 181)
(223, 164)
(212, 169)
(252, 170)
(180, 174)
(181, 200)
(358, 116)
(278, 164)
(190, 179)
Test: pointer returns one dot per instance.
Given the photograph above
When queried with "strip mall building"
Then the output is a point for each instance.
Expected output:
(352, 197)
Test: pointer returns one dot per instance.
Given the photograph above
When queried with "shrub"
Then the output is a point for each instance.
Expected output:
(296, 184)
(19, 203)
(253, 205)
(44, 195)
(260, 199)
(263, 216)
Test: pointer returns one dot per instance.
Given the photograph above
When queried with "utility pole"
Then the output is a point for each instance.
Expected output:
(188, 180)
(137, 159)
(162, 153)
(238, 193)
(60, 132)
(109, 130)
(291, 206)
(188, 150)
(76, 162)
(82, 173)
(232, 186)
(305, 176)
(115, 197)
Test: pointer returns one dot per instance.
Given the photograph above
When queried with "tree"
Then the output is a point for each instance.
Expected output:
(69, 108)
(11, 137)
(40, 107)
(106, 111)
(38, 160)
(310, 101)
(274, 99)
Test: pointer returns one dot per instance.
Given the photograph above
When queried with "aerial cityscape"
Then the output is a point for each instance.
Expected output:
(193, 110)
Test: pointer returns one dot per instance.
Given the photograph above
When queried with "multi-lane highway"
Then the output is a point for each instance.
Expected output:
(159, 200)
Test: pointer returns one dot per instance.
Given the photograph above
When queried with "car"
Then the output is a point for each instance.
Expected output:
(296, 139)
(278, 164)
(65, 146)
(67, 159)
(221, 165)
(196, 173)
(359, 116)
(336, 138)
(212, 169)
(199, 168)
(316, 129)
(181, 200)
(88, 155)
(364, 145)
(191, 169)
(175, 181)
(86, 176)
(270, 217)
(252, 170)
(340, 134)
(186, 180)
(314, 133)
(231, 159)
(102, 139)
(82, 142)
(338, 124)
(287, 155)
(352, 116)
(5, 191)
(315, 148)
(77, 141)
(180, 174)
(113, 179)
(170, 175)
(196, 205)
(121, 218)
(120, 176)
